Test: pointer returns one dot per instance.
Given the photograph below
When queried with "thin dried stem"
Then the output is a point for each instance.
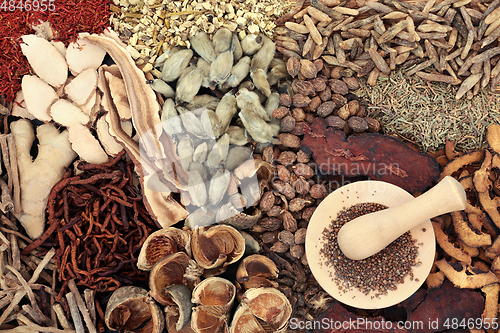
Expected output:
(15, 175)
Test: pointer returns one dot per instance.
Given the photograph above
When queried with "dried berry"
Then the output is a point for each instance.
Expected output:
(351, 82)
(335, 73)
(279, 247)
(283, 174)
(301, 186)
(315, 103)
(338, 87)
(287, 157)
(299, 128)
(318, 63)
(357, 124)
(319, 84)
(373, 124)
(353, 107)
(289, 140)
(339, 100)
(298, 114)
(310, 118)
(344, 112)
(285, 189)
(302, 157)
(296, 204)
(336, 122)
(287, 237)
(305, 88)
(318, 191)
(267, 201)
(308, 212)
(326, 94)
(300, 236)
(270, 223)
(289, 222)
(297, 251)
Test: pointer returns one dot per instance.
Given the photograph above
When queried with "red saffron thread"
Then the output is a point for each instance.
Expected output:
(68, 18)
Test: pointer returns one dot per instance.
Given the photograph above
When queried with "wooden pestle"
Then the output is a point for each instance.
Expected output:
(368, 234)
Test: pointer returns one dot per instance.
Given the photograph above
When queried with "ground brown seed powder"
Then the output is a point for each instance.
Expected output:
(381, 272)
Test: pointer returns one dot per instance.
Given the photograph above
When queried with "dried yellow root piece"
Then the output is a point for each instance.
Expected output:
(448, 247)
(483, 184)
(491, 305)
(460, 277)
(435, 280)
(466, 234)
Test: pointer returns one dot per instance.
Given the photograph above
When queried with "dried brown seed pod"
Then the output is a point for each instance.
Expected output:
(130, 307)
(373, 124)
(353, 107)
(285, 100)
(174, 269)
(318, 191)
(357, 124)
(351, 82)
(215, 297)
(298, 114)
(308, 69)
(326, 94)
(318, 63)
(303, 170)
(293, 66)
(257, 271)
(296, 204)
(270, 223)
(287, 157)
(299, 128)
(216, 246)
(280, 112)
(300, 100)
(319, 84)
(305, 88)
(267, 200)
(325, 109)
(289, 140)
(289, 222)
(315, 103)
(284, 188)
(162, 243)
(283, 174)
(300, 236)
(302, 157)
(260, 307)
(336, 122)
(336, 72)
(301, 186)
(338, 87)
(280, 247)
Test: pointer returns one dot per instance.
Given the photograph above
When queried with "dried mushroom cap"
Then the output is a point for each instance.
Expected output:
(269, 307)
(216, 246)
(215, 296)
(129, 308)
(174, 269)
(160, 244)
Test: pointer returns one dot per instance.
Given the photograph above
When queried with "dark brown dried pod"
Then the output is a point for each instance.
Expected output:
(293, 66)
(299, 128)
(338, 87)
(318, 63)
(373, 124)
(287, 157)
(300, 100)
(339, 100)
(353, 107)
(285, 189)
(326, 94)
(289, 140)
(270, 223)
(298, 114)
(305, 88)
(303, 170)
(326, 109)
(301, 186)
(267, 200)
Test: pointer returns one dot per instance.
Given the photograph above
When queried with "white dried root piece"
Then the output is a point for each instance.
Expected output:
(460, 277)
(45, 60)
(54, 155)
(81, 55)
(19, 108)
(60, 47)
(89, 107)
(80, 89)
(119, 95)
(109, 143)
(38, 96)
(82, 141)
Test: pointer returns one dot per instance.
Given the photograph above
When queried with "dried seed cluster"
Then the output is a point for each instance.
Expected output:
(152, 26)
(457, 38)
(381, 272)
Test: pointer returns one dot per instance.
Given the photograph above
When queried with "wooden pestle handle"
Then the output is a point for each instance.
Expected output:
(370, 233)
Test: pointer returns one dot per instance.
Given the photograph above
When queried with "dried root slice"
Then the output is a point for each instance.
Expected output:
(119, 94)
(448, 247)
(493, 137)
(269, 308)
(160, 244)
(434, 280)
(215, 246)
(80, 89)
(461, 161)
(45, 60)
(491, 305)
(483, 184)
(257, 271)
(110, 145)
(89, 108)
(38, 96)
(82, 141)
(458, 274)
(19, 108)
(466, 234)
(181, 296)
(494, 250)
(129, 308)
(81, 55)
(176, 268)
